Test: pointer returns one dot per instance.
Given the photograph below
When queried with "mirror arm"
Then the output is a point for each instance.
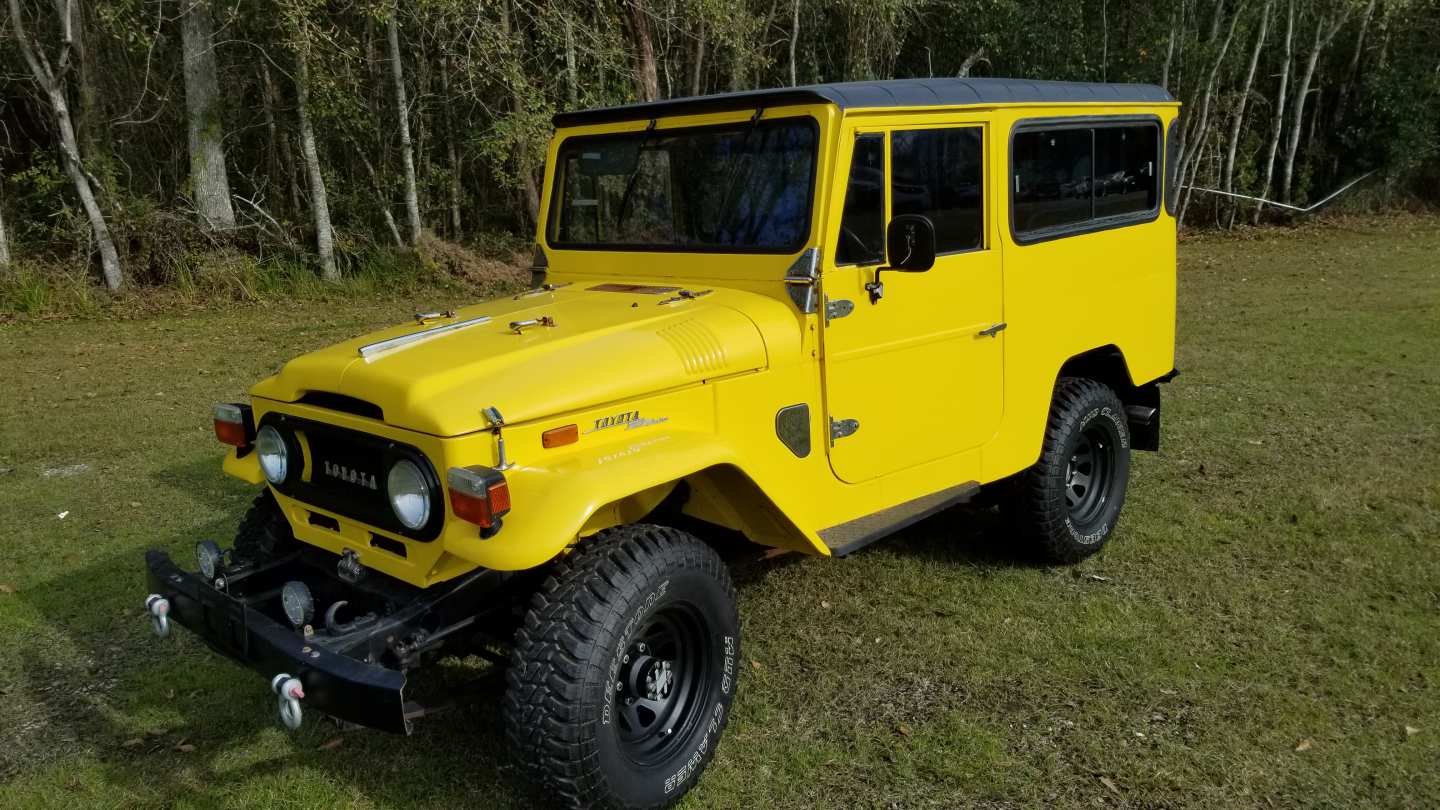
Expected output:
(876, 288)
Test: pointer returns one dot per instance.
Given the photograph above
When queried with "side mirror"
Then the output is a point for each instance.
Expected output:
(910, 246)
(910, 243)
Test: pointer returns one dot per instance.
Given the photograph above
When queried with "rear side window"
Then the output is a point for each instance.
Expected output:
(1052, 178)
(1076, 179)
(937, 173)
(862, 225)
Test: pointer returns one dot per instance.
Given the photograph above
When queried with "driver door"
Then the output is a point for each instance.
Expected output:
(917, 375)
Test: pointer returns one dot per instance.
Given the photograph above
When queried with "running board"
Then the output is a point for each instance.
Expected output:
(851, 536)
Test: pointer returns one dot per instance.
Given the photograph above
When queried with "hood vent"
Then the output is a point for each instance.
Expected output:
(701, 353)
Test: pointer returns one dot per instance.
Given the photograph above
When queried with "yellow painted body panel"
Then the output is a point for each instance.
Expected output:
(689, 390)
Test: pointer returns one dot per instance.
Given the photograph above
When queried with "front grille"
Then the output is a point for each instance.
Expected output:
(345, 473)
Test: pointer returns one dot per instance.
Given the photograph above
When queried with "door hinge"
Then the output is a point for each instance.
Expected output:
(840, 428)
(838, 308)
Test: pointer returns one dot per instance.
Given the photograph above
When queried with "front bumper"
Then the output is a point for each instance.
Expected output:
(334, 683)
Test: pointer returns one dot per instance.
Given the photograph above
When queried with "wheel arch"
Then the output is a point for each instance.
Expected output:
(1106, 364)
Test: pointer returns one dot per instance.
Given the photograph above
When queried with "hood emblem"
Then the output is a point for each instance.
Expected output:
(629, 419)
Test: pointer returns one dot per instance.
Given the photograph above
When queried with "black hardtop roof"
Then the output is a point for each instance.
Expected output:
(892, 93)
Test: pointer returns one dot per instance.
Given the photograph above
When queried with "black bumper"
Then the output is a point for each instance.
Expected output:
(335, 684)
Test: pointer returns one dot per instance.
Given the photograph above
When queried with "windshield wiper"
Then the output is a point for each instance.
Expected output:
(634, 176)
(724, 208)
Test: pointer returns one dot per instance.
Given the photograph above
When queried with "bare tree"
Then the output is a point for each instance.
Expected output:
(1237, 122)
(1349, 77)
(402, 114)
(794, 37)
(209, 183)
(1325, 30)
(51, 76)
(1189, 159)
(319, 203)
(1277, 123)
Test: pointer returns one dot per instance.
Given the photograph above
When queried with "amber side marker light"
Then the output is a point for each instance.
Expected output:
(557, 437)
(234, 425)
(479, 495)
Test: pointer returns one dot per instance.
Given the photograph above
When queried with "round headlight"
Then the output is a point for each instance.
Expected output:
(298, 603)
(209, 556)
(409, 494)
(274, 455)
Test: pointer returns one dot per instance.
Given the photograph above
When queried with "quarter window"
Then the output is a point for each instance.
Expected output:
(937, 173)
(1069, 177)
(862, 225)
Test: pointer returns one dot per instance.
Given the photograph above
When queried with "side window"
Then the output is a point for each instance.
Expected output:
(862, 225)
(1125, 169)
(1052, 178)
(937, 172)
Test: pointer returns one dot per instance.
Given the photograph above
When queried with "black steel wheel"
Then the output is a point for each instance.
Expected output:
(624, 669)
(1069, 501)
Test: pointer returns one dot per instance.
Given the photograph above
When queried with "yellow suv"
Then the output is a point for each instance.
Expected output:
(810, 315)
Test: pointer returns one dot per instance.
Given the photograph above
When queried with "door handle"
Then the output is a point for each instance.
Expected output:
(992, 331)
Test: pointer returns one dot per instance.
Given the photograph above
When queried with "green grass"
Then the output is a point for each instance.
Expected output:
(1274, 584)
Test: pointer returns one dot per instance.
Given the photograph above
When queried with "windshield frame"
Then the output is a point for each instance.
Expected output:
(556, 179)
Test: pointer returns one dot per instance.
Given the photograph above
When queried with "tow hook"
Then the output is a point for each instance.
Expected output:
(290, 692)
(159, 609)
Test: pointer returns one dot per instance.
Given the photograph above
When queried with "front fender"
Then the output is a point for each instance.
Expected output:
(553, 505)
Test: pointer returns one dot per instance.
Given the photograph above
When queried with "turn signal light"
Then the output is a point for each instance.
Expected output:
(234, 425)
(479, 495)
(557, 437)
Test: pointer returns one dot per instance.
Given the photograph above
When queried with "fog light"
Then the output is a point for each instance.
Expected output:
(209, 556)
(298, 603)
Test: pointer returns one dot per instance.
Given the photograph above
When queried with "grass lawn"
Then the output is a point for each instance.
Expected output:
(1263, 631)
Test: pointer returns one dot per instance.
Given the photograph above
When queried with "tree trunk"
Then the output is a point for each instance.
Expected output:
(319, 203)
(4, 234)
(647, 78)
(1238, 122)
(794, 37)
(1277, 123)
(1302, 90)
(452, 151)
(52, 81)
(402, 115)
(286, 154)
(1354, 66)
(203, 112)
(528, 189)
(572, 78)
(697, 70)
(1169, 51)
(1104, 41)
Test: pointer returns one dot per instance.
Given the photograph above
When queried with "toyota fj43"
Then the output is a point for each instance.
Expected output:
(810, 315)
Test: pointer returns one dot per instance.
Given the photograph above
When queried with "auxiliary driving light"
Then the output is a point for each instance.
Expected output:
(209, 556)
(274, 455)
(298, 603)
(409, 494)
(480, 495)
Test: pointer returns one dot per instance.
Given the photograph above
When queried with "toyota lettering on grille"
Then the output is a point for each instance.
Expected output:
(351, 475)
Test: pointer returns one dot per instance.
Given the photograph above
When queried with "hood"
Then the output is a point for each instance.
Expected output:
(592, 343)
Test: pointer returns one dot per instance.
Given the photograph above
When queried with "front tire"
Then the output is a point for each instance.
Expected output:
(624, 670)
(1067, 504)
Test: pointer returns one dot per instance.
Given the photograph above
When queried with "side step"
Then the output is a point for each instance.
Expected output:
(851, 536)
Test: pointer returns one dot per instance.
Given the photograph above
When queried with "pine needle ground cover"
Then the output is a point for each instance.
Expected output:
(1263, 630)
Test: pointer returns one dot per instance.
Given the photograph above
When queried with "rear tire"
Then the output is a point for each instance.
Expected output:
(1068, 503)
(623, 670)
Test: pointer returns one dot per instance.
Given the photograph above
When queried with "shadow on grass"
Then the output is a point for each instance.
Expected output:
(97, 680)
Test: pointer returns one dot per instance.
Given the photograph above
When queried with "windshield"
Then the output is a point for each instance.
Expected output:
(731, 188)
